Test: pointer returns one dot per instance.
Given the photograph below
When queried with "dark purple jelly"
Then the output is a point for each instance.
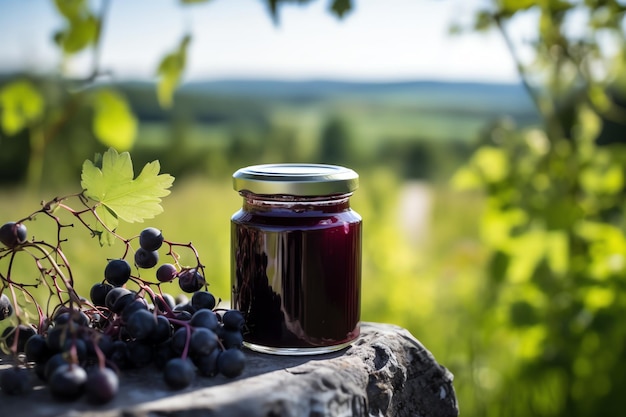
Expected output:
(296, 271)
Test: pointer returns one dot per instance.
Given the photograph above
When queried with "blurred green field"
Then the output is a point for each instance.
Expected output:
(426, 285)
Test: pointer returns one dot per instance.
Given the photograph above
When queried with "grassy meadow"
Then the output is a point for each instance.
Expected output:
(427, 285)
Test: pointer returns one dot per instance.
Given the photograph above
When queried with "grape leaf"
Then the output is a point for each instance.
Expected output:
(114, 123)
(341, 7)
(510, 7)
(80, 34)
(170, 72)
(82, 28)
(110, 220)
(71, 9)
(112, 185)
(21, 104)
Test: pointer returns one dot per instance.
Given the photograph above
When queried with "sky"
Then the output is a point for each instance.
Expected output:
(379, 40)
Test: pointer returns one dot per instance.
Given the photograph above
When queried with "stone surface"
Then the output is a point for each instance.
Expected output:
(386, 372)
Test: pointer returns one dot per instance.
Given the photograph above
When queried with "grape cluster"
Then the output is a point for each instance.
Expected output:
(82, 344)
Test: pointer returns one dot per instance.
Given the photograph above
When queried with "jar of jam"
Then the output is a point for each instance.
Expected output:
(296, 258)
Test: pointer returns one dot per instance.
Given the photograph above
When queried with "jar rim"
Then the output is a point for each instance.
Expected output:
(296, 179)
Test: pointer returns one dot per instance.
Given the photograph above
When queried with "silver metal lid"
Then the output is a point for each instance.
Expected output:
(296, 179)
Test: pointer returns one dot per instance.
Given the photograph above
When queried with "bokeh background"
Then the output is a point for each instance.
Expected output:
(488, 135)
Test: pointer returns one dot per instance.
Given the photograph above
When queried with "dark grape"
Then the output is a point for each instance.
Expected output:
(103, 342)
(119, 355)
(146, 259)
(117, 272)
(150, 239)
(163, 302)
(132, 307)
(67, 382)
(203, 341)
(178, 373)
(62, 318)
(231, 362)
(204, 318)
(140, 324)
(13, 234)
(6, 308)
(207, 364)
(162, 332)
(78, 346)
(233, 320)
(122, 302)
(56, 338)
(80, 317)
(40, 370)
(15, 381)
(84, 342)
(182, 315)
(77, 316)
(203, 299)
(98, 293)
(179, 339)
(118, 298)
(101, 385)
(232, 339)
(52, 364)
(140, 354)
(23, 333)
(191, 281)
(185, 307)
(166, 273)
(163, 352)
(37, 349)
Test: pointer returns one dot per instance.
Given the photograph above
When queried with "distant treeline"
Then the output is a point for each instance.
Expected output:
(421, 129)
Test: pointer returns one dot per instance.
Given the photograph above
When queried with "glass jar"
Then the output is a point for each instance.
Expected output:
(296, 258)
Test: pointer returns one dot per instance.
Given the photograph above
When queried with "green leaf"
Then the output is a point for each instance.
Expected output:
(132, 200)
(522, 313)
(466, 178)
(498, 265)
(510, 7)
(80, 34)
(492, 163)
(71, 9)
(114, 124)
(110, 220)
(528, 251)
(82, 26)
(484, 20)
(560, 6)
(596, 298)
(597, 179)
(21, 104)
(170, 71)
(341, 7)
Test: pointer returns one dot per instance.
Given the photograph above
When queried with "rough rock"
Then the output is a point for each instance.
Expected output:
(386, 372)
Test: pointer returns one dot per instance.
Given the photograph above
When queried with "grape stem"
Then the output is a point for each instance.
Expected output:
(74, 298)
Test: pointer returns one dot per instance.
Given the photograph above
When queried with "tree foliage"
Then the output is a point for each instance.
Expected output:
(554, 215)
